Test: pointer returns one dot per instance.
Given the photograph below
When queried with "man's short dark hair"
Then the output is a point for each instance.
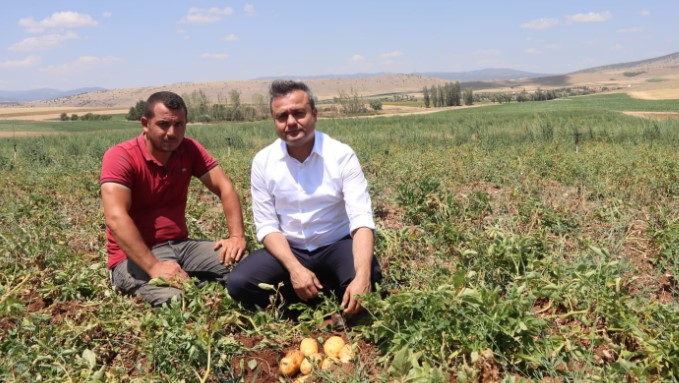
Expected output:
(280, 88)
(169, 99)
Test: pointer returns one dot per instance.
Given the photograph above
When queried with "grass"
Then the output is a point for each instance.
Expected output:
(508, 255)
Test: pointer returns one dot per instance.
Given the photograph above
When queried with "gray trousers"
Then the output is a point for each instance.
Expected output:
(198, 258)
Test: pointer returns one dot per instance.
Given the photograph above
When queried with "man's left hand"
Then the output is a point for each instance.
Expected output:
(350, 301)
(231, 250)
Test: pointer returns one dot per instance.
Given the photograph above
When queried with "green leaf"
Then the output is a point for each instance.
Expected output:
(90, 358)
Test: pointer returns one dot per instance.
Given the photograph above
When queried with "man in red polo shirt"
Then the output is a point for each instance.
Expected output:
(144, 188)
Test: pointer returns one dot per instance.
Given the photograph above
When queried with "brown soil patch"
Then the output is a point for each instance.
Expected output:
(265, 360)
(654, 115)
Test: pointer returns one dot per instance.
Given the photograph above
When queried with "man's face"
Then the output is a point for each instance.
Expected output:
(294, 118)
(165, 130)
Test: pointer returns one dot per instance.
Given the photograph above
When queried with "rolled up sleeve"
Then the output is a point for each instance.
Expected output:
(263, 209)
(356, 197)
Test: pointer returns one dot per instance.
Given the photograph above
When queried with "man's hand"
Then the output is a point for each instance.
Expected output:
(231, 250)
(169, 271)
(305, 283)
(350, 301)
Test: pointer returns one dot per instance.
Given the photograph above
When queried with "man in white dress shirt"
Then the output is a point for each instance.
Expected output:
(312, 213)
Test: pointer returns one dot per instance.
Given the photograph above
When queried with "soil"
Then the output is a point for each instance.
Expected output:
(264, 361)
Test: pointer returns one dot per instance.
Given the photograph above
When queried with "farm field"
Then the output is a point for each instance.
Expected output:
(510, 253)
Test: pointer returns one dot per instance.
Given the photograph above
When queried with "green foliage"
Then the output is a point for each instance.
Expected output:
(351, 104)
(136, 112)
(507, 255)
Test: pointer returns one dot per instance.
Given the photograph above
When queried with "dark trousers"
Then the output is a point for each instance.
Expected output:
(333, 266)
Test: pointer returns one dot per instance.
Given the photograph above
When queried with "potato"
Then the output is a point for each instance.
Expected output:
(332, 346)
(291, 363)
(288, 367)
(309, 346)
(327, 363)
(310, 362)
(346, 354)
(302, 379)
(296, 355)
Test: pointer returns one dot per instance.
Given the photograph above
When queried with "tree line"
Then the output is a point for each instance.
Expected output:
(85, 117)
(449, 94)
(202, 109)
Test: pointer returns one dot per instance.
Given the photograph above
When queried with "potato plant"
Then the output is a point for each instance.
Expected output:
(507, 254)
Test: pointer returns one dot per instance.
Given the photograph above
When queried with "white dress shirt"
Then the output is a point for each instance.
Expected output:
(314, 203)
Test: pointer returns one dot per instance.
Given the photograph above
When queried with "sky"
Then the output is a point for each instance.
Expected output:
(71, 44)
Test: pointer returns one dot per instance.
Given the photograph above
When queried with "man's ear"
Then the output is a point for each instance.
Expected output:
(144, 121)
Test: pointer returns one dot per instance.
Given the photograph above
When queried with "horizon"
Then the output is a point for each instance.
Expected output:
(76, 44)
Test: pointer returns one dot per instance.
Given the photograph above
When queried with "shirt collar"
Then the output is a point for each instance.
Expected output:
(148, 157)
(318, 146)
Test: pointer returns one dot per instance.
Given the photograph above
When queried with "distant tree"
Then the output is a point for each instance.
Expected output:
(442, 96)
(434, 96)
(448, 94)
(261, 106)
(198, 105)
(74, 117)
(351, 103)
(236, 114)
(219, 112)
(456, 94)
(376, 104)
(427, 100)
(64, 117)
(523, 96)
(468, 96)
(135, 112)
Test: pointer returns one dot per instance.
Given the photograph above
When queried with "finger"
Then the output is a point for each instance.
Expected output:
(239, 254)
(353, 306)
(224, 254)
(217, 245)
(345, 300)
(317, 283)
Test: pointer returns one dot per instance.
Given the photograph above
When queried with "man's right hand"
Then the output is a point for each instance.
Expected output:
(305, 283)
(169, 271)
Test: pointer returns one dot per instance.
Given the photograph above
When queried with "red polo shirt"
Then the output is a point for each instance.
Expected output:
(159, 192)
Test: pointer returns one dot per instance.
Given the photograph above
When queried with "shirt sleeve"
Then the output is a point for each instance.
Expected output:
(203, 161)
(116, 166)
(263, 208)
(356, 197)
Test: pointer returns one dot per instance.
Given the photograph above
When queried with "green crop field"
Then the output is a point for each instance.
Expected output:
(509, 254)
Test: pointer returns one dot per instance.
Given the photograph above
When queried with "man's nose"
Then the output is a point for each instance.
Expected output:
(291, 119)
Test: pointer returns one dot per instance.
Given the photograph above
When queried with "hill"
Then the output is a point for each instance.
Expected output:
(651, 78)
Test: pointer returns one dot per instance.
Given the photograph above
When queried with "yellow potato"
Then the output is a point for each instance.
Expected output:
(332, 346)
(327, 363)
(291, 363)
(346, 354)
(309, 346)
(310, 362)
(296, 355)
(288, 367)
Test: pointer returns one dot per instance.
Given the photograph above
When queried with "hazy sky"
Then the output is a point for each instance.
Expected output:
(69, 44)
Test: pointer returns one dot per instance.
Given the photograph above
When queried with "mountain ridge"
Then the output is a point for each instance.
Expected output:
(649, 74)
